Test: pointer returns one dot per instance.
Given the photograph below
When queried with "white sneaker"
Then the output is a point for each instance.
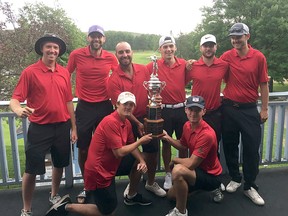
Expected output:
(53, 200)
(175, 212)
(26, 213)
(156, 189)
(232, 186)
(254, 196)
(168, 181)
(126, 191)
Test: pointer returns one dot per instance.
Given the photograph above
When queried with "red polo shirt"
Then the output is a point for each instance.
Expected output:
(207, 81)
(47, 92)
(101, 164)
(119, 82)
(246, 73)
(175, 78)
(202, 142)
(92, 73)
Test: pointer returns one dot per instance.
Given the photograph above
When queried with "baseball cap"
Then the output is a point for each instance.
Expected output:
(207, 38)
(96, 28)
(50, 37)
(195, 101)
(239, 29)
(166, 39)
(125, 97)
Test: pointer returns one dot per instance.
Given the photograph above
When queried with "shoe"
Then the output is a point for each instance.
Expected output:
(126, 191)
(232, 186)
(168, 181)
(26, 213)
(217, 196)
(156, 189)
(254, 196)
(53, 200)
(59, 207)
(137, 199)
(175, 212)
(82, 196)
(222, 187)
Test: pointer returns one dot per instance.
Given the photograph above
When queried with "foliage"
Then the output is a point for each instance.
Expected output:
(267, 20)
(137, 41)
(19, 32)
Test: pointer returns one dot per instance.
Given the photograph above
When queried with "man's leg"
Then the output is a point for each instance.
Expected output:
(82, 157)
(85, 209)
(182, 177)
(28, 187)
(151, 162)
(56, 179)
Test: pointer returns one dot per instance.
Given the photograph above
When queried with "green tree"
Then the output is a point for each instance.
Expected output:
(267, 20)
(18, 33)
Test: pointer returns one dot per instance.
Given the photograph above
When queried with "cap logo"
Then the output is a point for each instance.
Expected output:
(194, 99)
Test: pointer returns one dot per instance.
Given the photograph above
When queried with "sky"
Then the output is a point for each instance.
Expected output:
(140, 16)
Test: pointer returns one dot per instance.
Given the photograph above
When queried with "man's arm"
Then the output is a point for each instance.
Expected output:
(70, 108)
(124, 150)
(192, 163)
(264, 91)
(22, 112)
(175, 143)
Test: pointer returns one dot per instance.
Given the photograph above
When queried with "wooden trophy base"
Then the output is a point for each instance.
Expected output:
(154, 126)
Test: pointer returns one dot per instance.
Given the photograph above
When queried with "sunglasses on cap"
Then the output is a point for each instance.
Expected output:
(238, 30)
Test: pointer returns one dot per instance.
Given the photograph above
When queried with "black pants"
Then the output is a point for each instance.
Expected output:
(246, 122)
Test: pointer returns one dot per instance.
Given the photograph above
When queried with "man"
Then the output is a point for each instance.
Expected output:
(172, 70)
(130, 77)
(46, 87)
(92, 65)
(202, 169)
(207, 74)
(112, 140)
(248, 71)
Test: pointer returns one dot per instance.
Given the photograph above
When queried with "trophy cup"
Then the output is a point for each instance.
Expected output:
(154, 123)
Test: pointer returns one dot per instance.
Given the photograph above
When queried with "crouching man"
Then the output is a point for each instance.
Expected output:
(202, 169)
(112, 141)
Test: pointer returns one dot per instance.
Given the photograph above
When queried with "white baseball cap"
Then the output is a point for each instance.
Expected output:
(166, 39)
(207, 38)
(125, 97)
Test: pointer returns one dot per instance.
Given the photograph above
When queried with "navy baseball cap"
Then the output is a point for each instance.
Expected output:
(195, 101)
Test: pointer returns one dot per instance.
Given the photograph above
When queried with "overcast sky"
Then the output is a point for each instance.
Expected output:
(141, 16)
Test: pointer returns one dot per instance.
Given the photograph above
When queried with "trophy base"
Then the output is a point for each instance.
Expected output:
(154, 126)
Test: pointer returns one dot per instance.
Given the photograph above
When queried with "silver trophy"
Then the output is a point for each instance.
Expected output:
(154, 123)
(154, 86)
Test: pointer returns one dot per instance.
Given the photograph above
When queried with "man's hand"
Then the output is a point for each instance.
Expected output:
(264, 115)
(24, 112)
(142, 167)
(145, 139)
(189, 64)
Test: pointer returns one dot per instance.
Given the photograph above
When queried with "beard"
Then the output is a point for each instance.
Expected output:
(95, 46)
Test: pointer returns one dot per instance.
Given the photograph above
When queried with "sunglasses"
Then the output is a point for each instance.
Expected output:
(237, 30)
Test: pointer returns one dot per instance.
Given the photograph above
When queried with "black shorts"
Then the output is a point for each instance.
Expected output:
(205, 181)
(105, 198)
(174, 119)
(42, 139)
(88, 116)
(126, 165)
(151, 147)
